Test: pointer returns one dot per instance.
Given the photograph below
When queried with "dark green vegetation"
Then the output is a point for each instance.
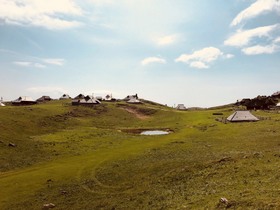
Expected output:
(92, 158)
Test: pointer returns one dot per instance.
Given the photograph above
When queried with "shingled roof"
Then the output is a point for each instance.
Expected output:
(24, 100)
(242, 116)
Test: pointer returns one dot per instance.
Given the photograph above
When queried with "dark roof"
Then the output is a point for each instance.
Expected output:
(87, 100)
(80, 96)
(44, 98)
(23, 98)
(65, 96)
(276, 93)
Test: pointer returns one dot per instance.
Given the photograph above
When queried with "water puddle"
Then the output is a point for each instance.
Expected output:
(154, 132)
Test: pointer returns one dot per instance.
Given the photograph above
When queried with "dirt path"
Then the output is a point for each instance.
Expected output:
(137, 114)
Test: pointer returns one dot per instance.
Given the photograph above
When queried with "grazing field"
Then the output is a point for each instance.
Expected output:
(94, 158)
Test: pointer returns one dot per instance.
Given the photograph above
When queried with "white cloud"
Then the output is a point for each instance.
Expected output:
(258, 49)
(23, 63)
(150, 60)
(255, 9)
(201, 57)
(29, 64)
(199, 65)
(277, 40)
(51, 14)
(101, 2)
(167, 40)
(228, 56)
(55, 23)
(54, 61)
(242, 38)
(39, 65)
(140, 19)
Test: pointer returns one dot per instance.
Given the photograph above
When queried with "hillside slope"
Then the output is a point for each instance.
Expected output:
(93, 158)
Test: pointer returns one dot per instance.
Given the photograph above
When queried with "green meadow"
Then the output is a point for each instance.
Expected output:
(95, 158)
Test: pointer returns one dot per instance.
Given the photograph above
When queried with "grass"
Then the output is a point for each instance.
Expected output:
(80, 158)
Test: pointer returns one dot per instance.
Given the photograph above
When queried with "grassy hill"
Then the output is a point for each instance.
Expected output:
(94, 158)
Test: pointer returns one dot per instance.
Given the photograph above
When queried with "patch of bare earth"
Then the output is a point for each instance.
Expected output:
(136, 113)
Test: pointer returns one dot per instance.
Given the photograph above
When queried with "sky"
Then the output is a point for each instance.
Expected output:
(198, 52)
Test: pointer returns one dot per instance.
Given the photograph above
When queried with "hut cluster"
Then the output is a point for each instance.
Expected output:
(80, 99)
(260, 102)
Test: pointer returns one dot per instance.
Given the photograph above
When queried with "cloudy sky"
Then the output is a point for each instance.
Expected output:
(196, 52)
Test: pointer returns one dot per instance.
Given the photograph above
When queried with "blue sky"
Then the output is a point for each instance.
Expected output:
(196, 52)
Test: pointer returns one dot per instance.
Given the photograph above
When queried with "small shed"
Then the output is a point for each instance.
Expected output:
(109, 98)
(134, 101)
(181, 107)
(44, 99)
(242, 116)
(99, 98)
(276, 94)
(88, 100)
(24, 100)
(64, 96)
(80, 96)
(127, 98)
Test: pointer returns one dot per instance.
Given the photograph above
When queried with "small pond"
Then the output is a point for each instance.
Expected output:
(154, 132)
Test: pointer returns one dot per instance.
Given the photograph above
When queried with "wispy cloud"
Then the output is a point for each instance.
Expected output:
(202, 59)
(144, 19)
(29, 64)
(167, 40)
(40, 63)
(259, 40)
(150, 60)
(255, 9)
(258, 49)
(244, 37)
(54, 61)
(277, 40)
(50, 14)
(23, 63)
(229, 56)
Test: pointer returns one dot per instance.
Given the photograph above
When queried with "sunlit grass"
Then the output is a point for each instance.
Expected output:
(80, 158)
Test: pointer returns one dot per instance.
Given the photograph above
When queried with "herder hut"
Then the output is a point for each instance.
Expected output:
(80, 96)
(181, 107)
(276, 94)
(134, 101)
(99, 98)
(64, 96)
(44, 99)
(1, 102)
(242, 116)
(78, 99)
(24, 100)
(88, 100)
(127, 98)
(109, 98)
